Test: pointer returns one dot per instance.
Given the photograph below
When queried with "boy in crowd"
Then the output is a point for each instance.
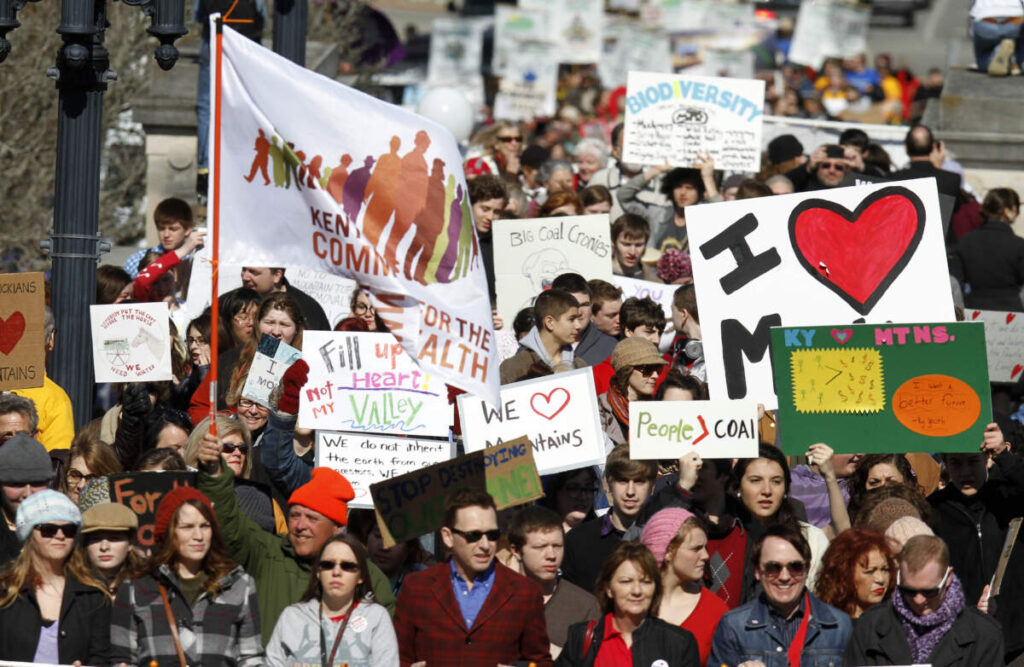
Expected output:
(630, 233)
(173, 220)
(605, 304)
(594, 346)
(547, 348)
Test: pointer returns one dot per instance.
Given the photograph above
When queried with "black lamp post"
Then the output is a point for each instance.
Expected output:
(82, 76)
(290, 29)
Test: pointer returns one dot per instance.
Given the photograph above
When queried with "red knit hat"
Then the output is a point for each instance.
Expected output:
(328, 493)
(170, 503)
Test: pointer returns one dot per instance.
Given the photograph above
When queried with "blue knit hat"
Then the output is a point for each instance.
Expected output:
(42, 507)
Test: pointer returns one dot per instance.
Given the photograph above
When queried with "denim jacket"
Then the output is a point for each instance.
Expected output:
(747, 633)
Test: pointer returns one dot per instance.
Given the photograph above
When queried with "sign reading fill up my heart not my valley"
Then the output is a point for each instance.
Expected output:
(872, 253)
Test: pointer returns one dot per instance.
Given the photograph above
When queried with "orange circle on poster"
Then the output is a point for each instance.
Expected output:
(936, 405)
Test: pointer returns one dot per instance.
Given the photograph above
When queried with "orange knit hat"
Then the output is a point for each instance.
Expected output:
(328, 493)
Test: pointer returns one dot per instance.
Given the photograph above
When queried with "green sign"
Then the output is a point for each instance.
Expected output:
(867, 388)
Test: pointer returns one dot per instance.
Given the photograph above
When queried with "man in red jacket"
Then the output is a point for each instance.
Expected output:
(470, 610)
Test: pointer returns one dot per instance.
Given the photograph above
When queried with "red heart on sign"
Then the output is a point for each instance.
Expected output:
(550, 406)
(1010, 316)
(11, 331)
(842, 336)
(858, 255)
(975, 314)
(1016, 370)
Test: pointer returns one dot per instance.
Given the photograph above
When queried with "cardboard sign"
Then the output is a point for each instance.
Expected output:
(142, 492)
(413, 504)
(680, 118)
(131, 342)
(22, 315)
(559, 414)
(536, 251)
(1012, 531)
(366, 382)
(872, 253)
(367, 459)
(880, 388)
(829, 29)
(272, 359)
(1004, 341)
(713, 429)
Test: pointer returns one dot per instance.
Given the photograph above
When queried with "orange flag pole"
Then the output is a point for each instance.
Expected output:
(215, 229)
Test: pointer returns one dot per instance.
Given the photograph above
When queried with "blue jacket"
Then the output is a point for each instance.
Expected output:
(746, 633)
(286, 469)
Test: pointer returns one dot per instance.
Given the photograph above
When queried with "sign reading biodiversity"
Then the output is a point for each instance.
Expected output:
(131, 342)
(677, 119)
(22, 316)
(413, 504)
(367, 382)
(712, 429)
(880, 388)
(559, 414)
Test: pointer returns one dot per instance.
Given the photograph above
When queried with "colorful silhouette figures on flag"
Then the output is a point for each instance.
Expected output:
(399, 199)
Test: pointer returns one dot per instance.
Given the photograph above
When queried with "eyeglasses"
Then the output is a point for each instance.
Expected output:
(577, 490)
(508, 140)
(50, 530)
(928, 593)
(362, 308)
(474, 536)
(244, 318)
(229, 448)
(795, 568)
(648, 371)
(75, 477)
(345, 565)
(195, 341)
(246, 404)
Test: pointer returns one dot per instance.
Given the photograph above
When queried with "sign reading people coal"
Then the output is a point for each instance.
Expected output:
(677, 119)
(712, 429)
(871, 253)
(22, 350)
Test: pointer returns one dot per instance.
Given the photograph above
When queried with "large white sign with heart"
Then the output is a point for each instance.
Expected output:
(557, 413)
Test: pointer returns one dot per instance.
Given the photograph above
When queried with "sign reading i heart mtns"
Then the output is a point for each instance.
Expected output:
(558, 413)
(872, 253)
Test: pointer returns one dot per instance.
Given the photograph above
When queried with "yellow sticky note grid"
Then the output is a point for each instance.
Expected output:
(837, 380)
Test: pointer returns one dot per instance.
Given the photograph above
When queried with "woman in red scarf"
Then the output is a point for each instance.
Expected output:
(636, 363)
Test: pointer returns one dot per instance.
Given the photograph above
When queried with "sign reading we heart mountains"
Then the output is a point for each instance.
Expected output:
(871, 253)
(315, 174)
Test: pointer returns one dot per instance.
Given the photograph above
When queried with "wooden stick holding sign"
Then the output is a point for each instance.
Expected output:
(1012, 531)
(413, 504)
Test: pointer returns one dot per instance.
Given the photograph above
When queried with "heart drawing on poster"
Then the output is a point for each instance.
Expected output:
(858, 255)
(548, 406)
(11, 331)
(842, 336)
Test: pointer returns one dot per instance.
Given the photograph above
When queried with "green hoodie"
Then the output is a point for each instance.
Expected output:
(281, 576)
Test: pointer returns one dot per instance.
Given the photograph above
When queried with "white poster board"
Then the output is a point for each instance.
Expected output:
(368, 459)
(690, 15)
(577, 28)
(512, 27)
(272, 359)
(629, 47)
(679, 118)
(712, 429)
(1004, 341)
(366, 382)
(456, 49)
(531, 69)
(557, 413)
(131, 342)
(829, 29)
(872, 253)
(333, 293)
(536, 251)
(660, 292)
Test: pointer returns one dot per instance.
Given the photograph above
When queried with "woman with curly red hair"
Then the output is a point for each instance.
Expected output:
(856, 572)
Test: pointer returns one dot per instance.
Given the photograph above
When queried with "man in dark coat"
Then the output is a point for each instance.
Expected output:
(924, 151)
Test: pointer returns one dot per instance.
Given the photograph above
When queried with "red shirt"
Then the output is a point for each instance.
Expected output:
(613, 651)
(703, 620)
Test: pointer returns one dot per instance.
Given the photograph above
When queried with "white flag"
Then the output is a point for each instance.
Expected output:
(316, 174)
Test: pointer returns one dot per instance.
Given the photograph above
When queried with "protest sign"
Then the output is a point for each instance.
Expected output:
(367, 459)
(829, 29)
(332, 292)
(628, 47)
(558, 413)
(413, 504)
(514, 26)
(456, 49)
(872, 252)
(131, 342)
(521, 100)
(577, 27)
(659, 292)
(1004, 341)
(142, 492)
(272, 359)
(880, 388)
(531, 71)
(507, 344)
(366, 382)
(680, 118)
(393, 214)
(712, 429)
(536, 251)
(22, 315)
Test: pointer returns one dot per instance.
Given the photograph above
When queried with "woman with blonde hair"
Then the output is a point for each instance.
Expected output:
(501, 144)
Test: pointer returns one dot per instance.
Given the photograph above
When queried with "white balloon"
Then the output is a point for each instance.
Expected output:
(448, 107)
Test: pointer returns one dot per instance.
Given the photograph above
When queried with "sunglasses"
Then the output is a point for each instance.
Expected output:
(345, 565)
(228, 448)
(508, 140)
(795, 568)
(928, 593)
(474, 536)
(50, 530)
(648, 371)
(834, 166)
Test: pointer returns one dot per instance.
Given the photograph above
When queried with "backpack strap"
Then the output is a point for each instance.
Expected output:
(588, 638)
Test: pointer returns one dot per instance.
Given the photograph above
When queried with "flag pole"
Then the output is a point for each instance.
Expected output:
(215, 229)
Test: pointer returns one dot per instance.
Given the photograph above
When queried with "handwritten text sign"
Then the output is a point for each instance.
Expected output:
(829, 29)
(713, 429)
(1004, 341)
(367, 459)
(678, 119)
(142, 492)
(272, 359)
(558, 412)
(873, 252)
(360, 381)
(882, 387)
(131, 342)
(534, 252)
(22, 350)
(413, 504)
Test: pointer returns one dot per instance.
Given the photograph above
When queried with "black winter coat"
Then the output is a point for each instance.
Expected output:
(991, 260)
(655, 640)
(84, 632)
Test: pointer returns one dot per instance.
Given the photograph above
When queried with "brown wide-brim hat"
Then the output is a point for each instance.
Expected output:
(109, 516)
(635, 351)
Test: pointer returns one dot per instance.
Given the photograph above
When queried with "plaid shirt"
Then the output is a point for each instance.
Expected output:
(221, 630)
